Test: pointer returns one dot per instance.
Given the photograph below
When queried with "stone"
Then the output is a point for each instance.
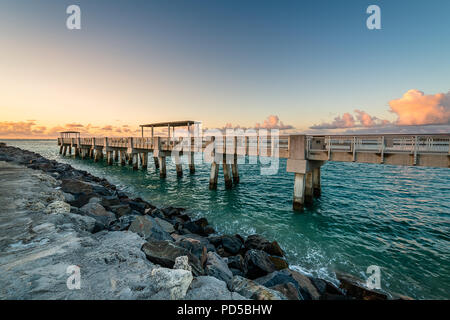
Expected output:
(170, 284)
(108, 201)
(202, 222)
(68, 197)
(357, 290)
(194, 246)
(148, 228)
(120, 210)
(279, 263)
(57, 207)
(274, 249)
(194, 228)
(236, 262)
(81, 199)
(165, 252)
(76, 186)
(80, 222)
(182, 262)
(258, 242)
(211, 288)
(123, 223)
(231, 244)
(288, 290)
(165, 225)
(257, 264)
(217, 267)
(252, 290)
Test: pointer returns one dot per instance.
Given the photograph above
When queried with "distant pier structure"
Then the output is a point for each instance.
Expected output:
(305, 154)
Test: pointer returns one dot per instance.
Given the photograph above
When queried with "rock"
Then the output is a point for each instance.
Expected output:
(123, 223)
(76, 186)
(217, 267)
(81, 199)
(166, 226)
(288, 290)
(57, 207)
(211, 288)
(138, 206)
(120, 210)
(279, 263)
(194, 228)
(95, 210)
(252, 290)
(109, 201)
(209, 230)
(236, 262)
(231, 244)
(255, 241)
(148, 228)
(80, 222)
(257, 264)
(194, 246)
(357, 290)
(68, 197)
(274, 249)
(182, 262)
(202, 222)
(170, 284)
(164, 253)
(326, 289)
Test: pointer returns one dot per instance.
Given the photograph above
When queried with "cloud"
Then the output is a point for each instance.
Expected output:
(417, 108)
(346, 121)
(273, 122)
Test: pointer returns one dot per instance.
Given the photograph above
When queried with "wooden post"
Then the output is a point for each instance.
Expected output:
(213, 176)
(122, 157)
(156, 161)
(144, 160)
(234, 169)
(70, 150)
(316, 182)
(109, 157)
(134, 160)
(309, 188)
(191, 163)
(65, 150)
(96, 155)
(130, 159)
(162, 166)
(61, 148)
(116, 155)
(299, 192)
(227, 175)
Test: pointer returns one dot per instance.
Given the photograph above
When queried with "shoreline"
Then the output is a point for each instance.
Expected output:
(176, 248)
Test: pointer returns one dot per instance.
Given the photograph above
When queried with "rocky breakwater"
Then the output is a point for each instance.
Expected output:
(129, 248)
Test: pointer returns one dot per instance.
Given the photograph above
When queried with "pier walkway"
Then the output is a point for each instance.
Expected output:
(305, 154)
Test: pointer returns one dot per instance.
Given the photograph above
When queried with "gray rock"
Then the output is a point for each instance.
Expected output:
(217, 267)
(257, 264)
(170, 284)
(164, 253)
(231, 244)
(68, 197)
(76, 186)
(252, 290)
(121, 210)
(182, 262)
(57, 207)
(194, 246)
(166, 226)
(211, 288)
(148, 228)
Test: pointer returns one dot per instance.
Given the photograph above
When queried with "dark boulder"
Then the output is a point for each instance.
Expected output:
(164, 253)
(76, 186)
(258, 242)
(108, 201)
(357, 290)
(257, 264)
(194, 246)
(231, 244)
(279, 263)
(288, 290)
(148, 228)
(120, 210)
(236, 262)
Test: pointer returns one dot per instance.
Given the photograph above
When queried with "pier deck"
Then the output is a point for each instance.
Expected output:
(305, 154)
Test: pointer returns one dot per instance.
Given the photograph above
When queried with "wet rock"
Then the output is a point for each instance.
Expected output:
(138, 206)
(194, 228)
(120, 210)
(164, 253)
(257, 264)
(326, 289)
(123, 223)
(80, 199)
(231, 244)
(209, 230)
(202, 222)
(217, 267)
(288, 290)
(170, 284)
(258, 242)
(76, 186)
(252, 290)
(279, 263)
(165, 225)
(195, 247)
(274, 249)
(109, 201)
(236, 262)
(357, 290)
(210, 288)
(57, 207)
(182, 262)
(148, 228)
(68, 197)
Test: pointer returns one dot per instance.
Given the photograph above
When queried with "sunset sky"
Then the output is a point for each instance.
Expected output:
(304, 66)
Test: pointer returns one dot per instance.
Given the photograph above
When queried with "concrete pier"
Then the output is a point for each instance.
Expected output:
(305, 154)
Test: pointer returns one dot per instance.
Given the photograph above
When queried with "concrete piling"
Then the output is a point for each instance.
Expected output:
(213, 176)
(299, 191)
(162, 166)
(316, 182)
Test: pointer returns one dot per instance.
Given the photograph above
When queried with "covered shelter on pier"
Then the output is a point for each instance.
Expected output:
(189, 124)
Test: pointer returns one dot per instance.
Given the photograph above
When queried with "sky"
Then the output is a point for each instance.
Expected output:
(301, 66)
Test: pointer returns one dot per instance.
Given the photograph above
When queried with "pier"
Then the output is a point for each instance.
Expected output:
(305, 154)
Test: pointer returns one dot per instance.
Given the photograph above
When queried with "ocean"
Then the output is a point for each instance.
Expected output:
(397, 218)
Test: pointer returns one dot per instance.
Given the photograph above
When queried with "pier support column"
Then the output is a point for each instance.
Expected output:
(309, 188)
(299, 192)
(135, 160)
(77, 152)
(179, 169)
(65, 150)
(235, 170)
(122, 157)
(213, 176)
(61, 149)
(109, 157)
(156, 161)
(116, 155)
(144, 160)
(316, 182)
(130, 159)
(70, 150)
(227, 175)
(162, 166)
(191, 163)
(96, 155)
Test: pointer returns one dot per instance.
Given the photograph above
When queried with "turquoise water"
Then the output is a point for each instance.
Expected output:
(395, 217)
